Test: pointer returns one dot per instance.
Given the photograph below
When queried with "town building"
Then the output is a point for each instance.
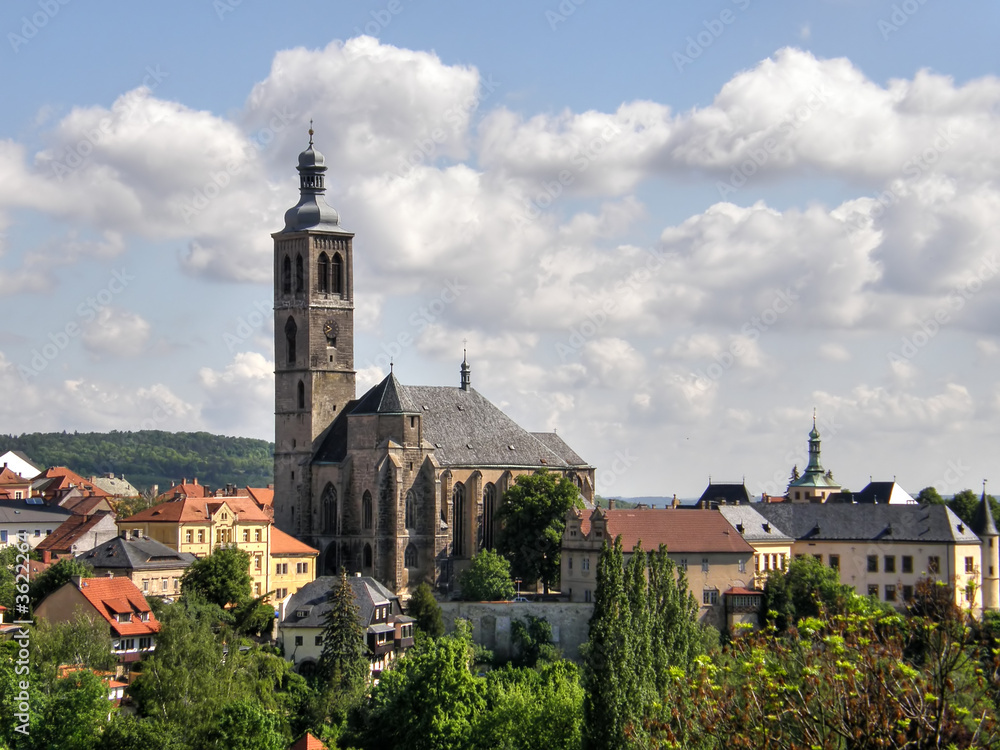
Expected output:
(713, 554)
(388, 631)
(772, 547)
(76, 534)
(293, 564)
(20, 464)
(14, 486)
(29, 519)
(403, 483)
(815, 485)
(152, 566)
(116, 486)
(132, 626)
(56, 482)
(883, 550)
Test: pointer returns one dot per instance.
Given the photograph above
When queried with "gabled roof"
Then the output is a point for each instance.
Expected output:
(197, 509)
(388, 397)
(841, 522)
(108, 595)
(312, 599)
(20, 511)
(724, 493)
(307, 742)
(185, 489)
(681, 530)
(9, 476)
(140, 553)
(84, 505)
(62, 478)
(21, 464)
(285, 544)
(71, 531)
(557, 445)
(263, 496)
(116, 486)
(888, 493)
(752, 525)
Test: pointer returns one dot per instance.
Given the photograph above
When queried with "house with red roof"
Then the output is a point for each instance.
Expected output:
(184, 490)
(714, 555)
(132, 626)
(13, 486)
(307, 742)
(77, 534)
(58, 484)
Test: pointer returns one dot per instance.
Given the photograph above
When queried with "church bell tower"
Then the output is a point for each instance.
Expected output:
(313, 336)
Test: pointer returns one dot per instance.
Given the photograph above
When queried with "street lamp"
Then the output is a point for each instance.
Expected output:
(517, 582)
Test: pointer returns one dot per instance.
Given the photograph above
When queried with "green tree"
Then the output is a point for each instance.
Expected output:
(75, 714)
(487, 578)
(641, 687)
(244, 724)
(82, 641)
(57, 576)
(344, 665)
(424, 608)
(804, 590)
(929, 496)
(532, 518)
(8, 573)
(532, 639)
(964, 504)
(675, 636)
(428, 701)
(222, 578)
(609, 713)
(127, 732)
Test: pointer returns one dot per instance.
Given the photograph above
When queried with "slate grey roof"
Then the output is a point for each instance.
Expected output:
(135, 554)
(982, 523)
(21, 511)
(752, 525)
(464, 427)
(312, 598)
(728, 493)
(840, 522)
(883, 493)
(117, 486)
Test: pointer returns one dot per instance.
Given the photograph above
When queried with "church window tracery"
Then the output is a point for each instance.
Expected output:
(410, 510)
(302, 395)
(366, 510)
(410, 556)
(458, 513)
(300, 274)
(286, 276)
(291, 330)
(328, 506)
(338, 274)
(489, 508)
(323, 273)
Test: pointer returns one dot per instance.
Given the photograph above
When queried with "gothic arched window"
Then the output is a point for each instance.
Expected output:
(290, 333)
(411, 510)
(286, 276)
(338, 274)
(300, 274)
(458, 519)
(366, 510)
(328, 508)
(489, 508)
(368, 556)
(302, 395)
(410, 556)
(323, 273)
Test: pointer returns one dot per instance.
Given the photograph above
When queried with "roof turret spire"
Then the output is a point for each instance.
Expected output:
(312, 210)
(466, 371)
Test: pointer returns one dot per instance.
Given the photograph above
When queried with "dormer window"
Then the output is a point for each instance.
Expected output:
(124, 617)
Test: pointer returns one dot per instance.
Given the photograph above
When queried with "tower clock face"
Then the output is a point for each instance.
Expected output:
(330, 328)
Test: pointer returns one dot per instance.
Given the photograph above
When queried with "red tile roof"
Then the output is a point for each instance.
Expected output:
(681, 530)
(185, 489)
(7, 476)
(307, 742)
(195, 509)
(68, 532)
(737, 591)
(65, 478)
(110, 596)
(285, 544)
(84, 506)
(263, 496)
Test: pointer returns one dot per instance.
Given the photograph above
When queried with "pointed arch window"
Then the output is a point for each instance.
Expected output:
(300, 274)
(328, 508)
(368, 556)
(458, 513)
(489, 509)
(291, 331)
(411, 510)
(323, 273)
(302, 395)
(286, 276)
(367, 516)
(410, 556)
(338, 274)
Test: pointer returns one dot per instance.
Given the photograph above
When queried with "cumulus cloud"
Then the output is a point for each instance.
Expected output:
(239, 400)
(116, 332)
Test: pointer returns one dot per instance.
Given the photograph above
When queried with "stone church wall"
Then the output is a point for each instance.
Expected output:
(492, 621)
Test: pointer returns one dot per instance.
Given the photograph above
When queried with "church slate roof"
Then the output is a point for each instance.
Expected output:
(462, 425)
(840, 522)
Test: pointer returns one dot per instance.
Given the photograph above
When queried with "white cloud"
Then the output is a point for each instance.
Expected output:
(239, 400)
(116, 332)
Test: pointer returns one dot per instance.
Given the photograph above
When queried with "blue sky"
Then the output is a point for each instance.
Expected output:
(680, 228)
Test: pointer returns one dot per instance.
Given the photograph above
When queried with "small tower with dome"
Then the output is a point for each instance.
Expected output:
(815, 485)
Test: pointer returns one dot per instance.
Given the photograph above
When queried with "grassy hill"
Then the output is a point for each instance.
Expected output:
(152, 457)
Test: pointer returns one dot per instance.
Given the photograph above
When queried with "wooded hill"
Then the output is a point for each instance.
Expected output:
(151, 457)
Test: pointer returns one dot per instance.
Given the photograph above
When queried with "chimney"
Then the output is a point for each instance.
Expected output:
(46, 556)
(195, 481)
(611, 503)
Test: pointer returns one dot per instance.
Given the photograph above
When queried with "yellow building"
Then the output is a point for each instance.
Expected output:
(199, 525)
(293, 564)
(772, 547)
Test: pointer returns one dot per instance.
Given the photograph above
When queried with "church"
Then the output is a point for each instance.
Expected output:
(402, 484)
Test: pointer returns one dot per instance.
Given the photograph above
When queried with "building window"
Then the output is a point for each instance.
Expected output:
(889, 563)
(291, 330)
(281, 569)
(969, 565)
(743, 566)
(328, 507)
(907, 593)
(319, 640)
(873, 563)
(367, 515)
(38, 532)
(256, 535)
(709, 596)
(300, 274)
(585, 564)
(890, 592)
(246, 535)
(458, 519)
(410, 510)
(301, 397)
(256, 589)
(145, 586)
(302, 568)
(127, 616)
(489, 509)
(298, 640)
(188, 535)
(704, 565)
(586, 595)
(256, 562)
(145, 642)
(410, 556)
(3, 536)
(338, 274)
(323, 273)
(818, 558)
(872, 589)
(286, 276)
(367, 556)
(933, 564)
(569, 561)
(201, 536)
(177, 584)
(835, 562)
(907, 563)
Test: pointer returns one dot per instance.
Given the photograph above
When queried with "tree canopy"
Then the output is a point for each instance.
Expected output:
(57, 576)
(343, 664)
(222, 578)
(487, 578)
(424, 608)
(532, 518)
